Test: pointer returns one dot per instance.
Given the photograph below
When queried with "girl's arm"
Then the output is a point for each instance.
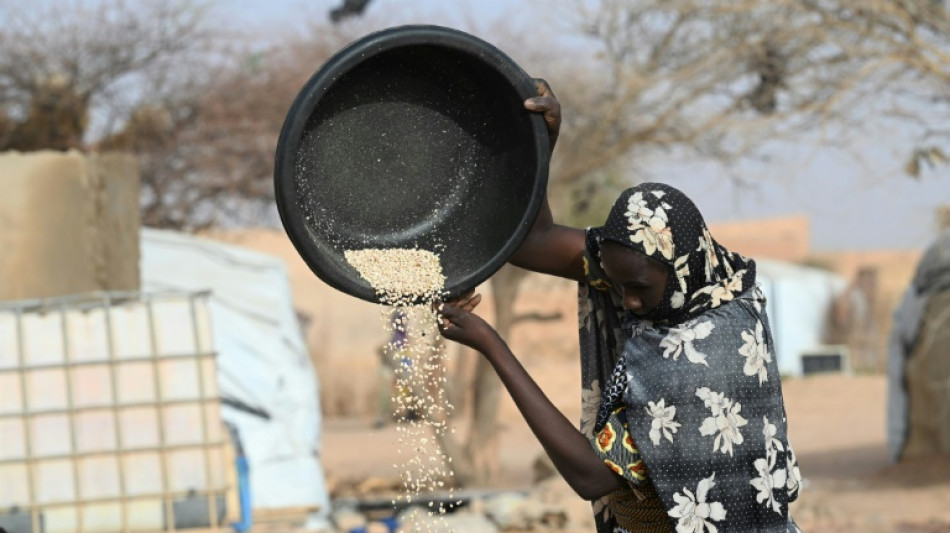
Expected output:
(568, 448)
(550, 248)
(553, 249)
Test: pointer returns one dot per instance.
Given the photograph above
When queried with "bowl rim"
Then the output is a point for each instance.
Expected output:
(291, 216)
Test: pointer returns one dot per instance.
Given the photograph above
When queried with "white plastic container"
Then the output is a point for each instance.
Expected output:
(109, 413)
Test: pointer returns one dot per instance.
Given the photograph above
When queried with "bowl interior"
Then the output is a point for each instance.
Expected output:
(417, 144)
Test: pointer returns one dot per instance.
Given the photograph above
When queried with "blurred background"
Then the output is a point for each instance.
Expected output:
(167, 361)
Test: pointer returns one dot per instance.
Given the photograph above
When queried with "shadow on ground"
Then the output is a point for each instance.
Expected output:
(870, 466)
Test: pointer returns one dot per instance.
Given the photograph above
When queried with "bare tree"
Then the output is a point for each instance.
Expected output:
(199, 109)
(215, 163)
(114, 75)
(720, 79)
(66, 71)
(207, 149)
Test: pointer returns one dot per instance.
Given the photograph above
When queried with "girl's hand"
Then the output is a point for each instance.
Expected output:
(458, 323)
(548, 104)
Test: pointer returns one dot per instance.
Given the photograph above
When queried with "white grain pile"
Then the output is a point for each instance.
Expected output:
(399, 274)
(411, 280)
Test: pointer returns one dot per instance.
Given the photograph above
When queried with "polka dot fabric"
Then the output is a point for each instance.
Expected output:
(697, 387)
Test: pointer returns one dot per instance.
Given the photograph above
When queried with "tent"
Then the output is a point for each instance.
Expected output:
(267, 382)
(799, 300)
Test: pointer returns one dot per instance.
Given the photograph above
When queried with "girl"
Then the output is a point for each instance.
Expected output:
(684, 424)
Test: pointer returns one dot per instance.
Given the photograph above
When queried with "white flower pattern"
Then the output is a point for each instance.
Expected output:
(680, 340)
(637, 210)
(649, 227)
(756, 353)
(772, 445)
(723, 292)
(663, 424)
(712, 260)
(770, 478)
(694, 513)
(714, 401)
(767, 482)
(681, 269)
(724, 422)
(677, 300)
(794, 484)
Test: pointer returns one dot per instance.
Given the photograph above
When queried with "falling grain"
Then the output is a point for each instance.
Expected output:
(411, 280)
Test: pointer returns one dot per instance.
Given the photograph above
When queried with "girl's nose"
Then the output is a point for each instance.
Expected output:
(632, 303)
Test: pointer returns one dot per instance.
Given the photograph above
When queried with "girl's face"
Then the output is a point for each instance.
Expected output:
(640, 279)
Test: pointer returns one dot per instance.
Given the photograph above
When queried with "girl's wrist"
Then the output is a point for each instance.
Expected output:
(495, 345)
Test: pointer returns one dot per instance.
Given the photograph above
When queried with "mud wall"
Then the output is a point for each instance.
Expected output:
(69, 223)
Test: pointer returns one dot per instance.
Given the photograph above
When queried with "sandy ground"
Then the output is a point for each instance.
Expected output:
(836, 425)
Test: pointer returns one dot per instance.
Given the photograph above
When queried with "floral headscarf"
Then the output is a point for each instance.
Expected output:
(663, 223)
(687, 401)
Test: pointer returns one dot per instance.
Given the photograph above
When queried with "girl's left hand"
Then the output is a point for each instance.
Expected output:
(458, 323)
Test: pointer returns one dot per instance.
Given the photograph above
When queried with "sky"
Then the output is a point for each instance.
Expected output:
(859, 199)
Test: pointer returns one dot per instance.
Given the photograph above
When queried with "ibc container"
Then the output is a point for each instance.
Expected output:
(109, 415)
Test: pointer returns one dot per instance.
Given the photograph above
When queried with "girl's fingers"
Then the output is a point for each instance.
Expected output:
(471, 303)
(450, 315)
(544, 99)
(540, 104)
(543, 88)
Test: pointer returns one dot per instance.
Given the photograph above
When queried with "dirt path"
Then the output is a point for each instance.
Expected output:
(836, 425)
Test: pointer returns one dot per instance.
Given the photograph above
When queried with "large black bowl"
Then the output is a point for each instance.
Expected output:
(412, 136)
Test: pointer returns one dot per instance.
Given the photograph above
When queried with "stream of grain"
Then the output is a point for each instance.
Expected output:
(407, 282)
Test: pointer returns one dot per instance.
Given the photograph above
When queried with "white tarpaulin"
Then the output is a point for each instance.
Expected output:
(267, 382)
(799, 302)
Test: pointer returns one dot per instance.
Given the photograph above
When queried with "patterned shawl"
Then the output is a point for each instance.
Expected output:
(694, 392)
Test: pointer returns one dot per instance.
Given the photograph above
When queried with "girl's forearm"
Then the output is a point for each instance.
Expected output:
(568, 449)
(551, 248)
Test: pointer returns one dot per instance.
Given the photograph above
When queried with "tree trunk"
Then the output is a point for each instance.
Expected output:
(475, 462)
(483, 437)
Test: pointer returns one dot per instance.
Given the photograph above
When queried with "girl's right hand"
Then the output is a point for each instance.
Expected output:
(548, 104)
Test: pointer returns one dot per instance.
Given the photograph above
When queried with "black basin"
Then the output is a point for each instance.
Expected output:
(412, 136)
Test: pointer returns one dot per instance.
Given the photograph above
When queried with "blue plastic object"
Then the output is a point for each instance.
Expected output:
(244, 494)
(392, 523)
